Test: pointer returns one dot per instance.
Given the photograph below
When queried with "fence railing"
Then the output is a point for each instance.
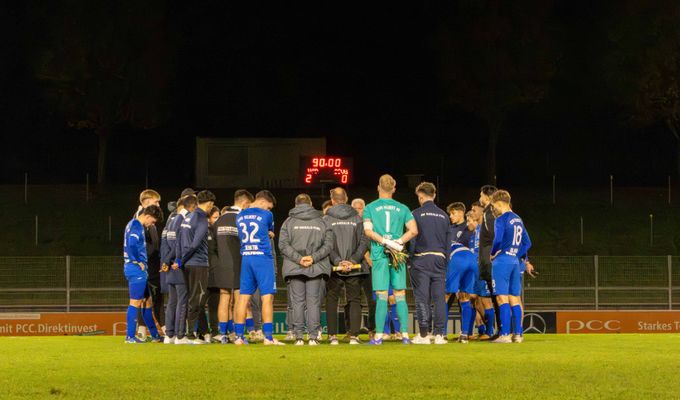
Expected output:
(71, 283)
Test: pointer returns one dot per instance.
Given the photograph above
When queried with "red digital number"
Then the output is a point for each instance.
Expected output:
(343, 179)
(308, 178)
(315, 162)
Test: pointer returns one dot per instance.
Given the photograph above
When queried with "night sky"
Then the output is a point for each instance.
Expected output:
(368, 79)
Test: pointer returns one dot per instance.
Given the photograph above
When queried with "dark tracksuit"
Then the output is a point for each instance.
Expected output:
(176, 310)
(428, 266)
(209, 324)
(193, 242)
(350, 244)
(486, 236)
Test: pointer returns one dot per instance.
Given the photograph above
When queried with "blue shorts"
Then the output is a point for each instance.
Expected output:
(506, 277)
(461, 273)
(522, 266)
(139, 290)
(482, 288)
(257, 273)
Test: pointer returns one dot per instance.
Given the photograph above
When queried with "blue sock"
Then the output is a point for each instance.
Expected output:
(490, 316)
(388, 328)
(230, 326)
(147, 314)
(223, 328)
(268, 329)
(481, 329)
(471, 324)
(465, 311)
(395, 318)
(505, 319)
(131, 321)
(517, 319)
(250, 324)
(238, 329)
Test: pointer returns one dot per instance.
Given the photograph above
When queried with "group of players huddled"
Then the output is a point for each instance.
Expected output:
(218, 267)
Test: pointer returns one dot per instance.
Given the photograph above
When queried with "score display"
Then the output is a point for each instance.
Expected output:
(326, 169)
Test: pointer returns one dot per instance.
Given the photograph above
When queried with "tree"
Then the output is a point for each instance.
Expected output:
(642, 63)
(493, 57)
(107, 64)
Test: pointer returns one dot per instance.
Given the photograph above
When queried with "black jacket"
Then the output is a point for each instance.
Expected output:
(228, 242)
(349, 242)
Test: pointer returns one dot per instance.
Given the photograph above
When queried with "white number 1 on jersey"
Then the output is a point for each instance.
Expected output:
(387, 222)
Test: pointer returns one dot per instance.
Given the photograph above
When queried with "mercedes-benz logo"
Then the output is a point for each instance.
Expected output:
(536, 323)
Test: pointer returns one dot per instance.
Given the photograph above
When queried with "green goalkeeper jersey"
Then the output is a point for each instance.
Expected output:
(388, 217)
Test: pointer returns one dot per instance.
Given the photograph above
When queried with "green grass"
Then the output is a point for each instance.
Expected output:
(545, 366)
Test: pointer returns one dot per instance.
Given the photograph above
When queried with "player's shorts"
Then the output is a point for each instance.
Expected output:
(258, 273)
(220, 277)
(138, 287)
(506, 277)
(482, 288)
(461, 273)
(383, 275)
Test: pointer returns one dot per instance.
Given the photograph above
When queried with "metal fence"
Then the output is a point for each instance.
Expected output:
(71, 283)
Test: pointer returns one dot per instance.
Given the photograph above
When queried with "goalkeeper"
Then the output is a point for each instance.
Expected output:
(384, 221)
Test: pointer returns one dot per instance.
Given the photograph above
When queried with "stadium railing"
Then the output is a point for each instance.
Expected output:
(79, 283)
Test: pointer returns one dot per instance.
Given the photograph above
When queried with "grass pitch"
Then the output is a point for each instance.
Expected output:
(544, 366)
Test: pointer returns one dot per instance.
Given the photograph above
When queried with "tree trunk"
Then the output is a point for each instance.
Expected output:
(674, 130)
(103, 135)
(495, 127)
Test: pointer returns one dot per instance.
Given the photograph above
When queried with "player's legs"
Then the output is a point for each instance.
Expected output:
(332, 295)
(398, 283)
(438, 293)
(137, 287)
(381, 281)
(170, 311)
(367, 289)
(223, 311)
(256, 312)
(197, 290)
(421, 291)
(265, 277)
(213, 311)
(181, 312)
(467, 288)
(501, 272)
(313, 305)
(353, 296)
(248, 286)
(516, 301)
(298, 292)
(157, 298)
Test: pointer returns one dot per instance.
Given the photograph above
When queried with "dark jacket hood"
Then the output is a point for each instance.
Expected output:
(305, 212)
(342, 211)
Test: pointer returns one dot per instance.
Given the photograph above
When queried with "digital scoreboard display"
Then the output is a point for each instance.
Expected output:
(326, 169)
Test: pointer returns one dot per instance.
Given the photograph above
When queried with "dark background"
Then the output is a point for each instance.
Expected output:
(368, 78)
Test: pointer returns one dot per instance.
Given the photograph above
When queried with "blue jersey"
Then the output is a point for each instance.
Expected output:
(474, 240)
(511, 238)
(134, 249)
(254, 225)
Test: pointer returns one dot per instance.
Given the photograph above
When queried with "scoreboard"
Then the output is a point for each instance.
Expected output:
(326, 169)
